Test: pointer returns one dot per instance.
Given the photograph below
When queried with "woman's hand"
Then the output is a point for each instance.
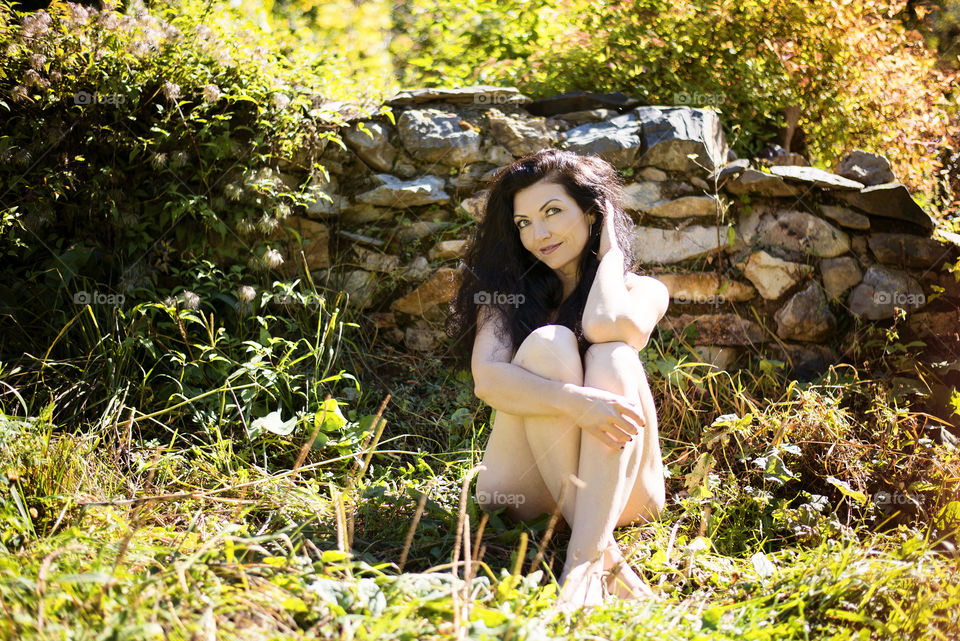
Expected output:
(613, 418)
(608, 237)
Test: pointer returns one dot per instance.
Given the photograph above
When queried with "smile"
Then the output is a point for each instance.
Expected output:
(550, 249)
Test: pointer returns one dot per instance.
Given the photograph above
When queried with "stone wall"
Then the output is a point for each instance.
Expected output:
(768, 255)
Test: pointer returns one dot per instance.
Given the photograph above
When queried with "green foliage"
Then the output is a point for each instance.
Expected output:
(851, 69)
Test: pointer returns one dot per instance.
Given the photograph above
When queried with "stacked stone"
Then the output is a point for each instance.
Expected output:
(777, 257)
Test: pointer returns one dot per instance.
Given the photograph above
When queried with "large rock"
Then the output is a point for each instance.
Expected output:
(805, 316)
(806, 360)
(435, 136)
(716, 329)
(641, 196)
(814, 177)
(685, 207)
(888, 200)
(773, 276)
(845, 218)
(396, 193)
(793, 230)
(476, 204)
(470, 95)
(752, 181)
(371, 143)
(839, 274)
(653, 245)
(521, 136)
(882, 290)
(864, 167)
(315, 242)
(618, 140)
(447, 249)
(671, 133)
(695, 288)
(360, 285)
(907, 250)
(374, 261)
(439, 288)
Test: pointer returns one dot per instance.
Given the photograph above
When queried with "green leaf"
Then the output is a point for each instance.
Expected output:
(846, 490)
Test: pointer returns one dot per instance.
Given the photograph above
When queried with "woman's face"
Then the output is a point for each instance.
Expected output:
(548, 218)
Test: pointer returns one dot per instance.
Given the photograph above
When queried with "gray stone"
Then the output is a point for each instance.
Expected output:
(671, 133)
(618, 140)
(447, 249)
(793, 230)
(716, 329)
(883, 289)
(717, 355)
(416, 270)
(773, 276)
(870, 169)
(888, 200)
(394, 192)
(371, 144)
(361, 213)
(421, 229)
(845, 218)
(497, 155)
(685, 207)
(839, 274)
(360, 285)
(806, 360)
(752, 181)
(730, 170)
(476, 204)
(652, 174)
(521, 136)
(805, 316)
(641, 196)
(907, 250)
(473, 94)
(653, 245)
(374, 261)
(814, 177)
(435, 136)
(699, 288)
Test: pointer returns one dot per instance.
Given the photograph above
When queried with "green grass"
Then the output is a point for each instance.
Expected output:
(218, 545)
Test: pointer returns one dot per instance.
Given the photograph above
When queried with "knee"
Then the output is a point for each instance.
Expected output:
(612, 357)
(551, 351)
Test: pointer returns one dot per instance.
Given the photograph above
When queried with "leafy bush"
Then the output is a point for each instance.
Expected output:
(858, 77)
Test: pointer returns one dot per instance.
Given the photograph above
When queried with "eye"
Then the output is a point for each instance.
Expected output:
(551, 209)
(520, 223)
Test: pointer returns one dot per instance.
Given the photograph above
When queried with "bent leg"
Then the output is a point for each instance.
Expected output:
(527, 458)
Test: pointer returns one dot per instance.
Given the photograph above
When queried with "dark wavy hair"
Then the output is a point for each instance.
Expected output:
(497, 270)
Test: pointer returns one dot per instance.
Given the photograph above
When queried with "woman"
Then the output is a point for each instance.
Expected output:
(553, 322)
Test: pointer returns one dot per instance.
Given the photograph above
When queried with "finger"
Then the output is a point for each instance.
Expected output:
(629, 424)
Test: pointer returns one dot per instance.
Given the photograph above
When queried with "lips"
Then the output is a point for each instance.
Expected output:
(549, 248)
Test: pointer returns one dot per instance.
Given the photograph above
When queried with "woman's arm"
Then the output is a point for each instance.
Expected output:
(621, 307)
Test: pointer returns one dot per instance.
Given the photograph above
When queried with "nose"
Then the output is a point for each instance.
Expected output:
(540, 230)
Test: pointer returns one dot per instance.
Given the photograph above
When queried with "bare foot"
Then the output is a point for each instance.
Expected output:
(581, 586)
(621, 580)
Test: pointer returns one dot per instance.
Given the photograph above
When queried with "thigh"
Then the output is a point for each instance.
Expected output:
(512, 479)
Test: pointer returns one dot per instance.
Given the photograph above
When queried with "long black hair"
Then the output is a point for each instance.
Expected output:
(498, 271)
